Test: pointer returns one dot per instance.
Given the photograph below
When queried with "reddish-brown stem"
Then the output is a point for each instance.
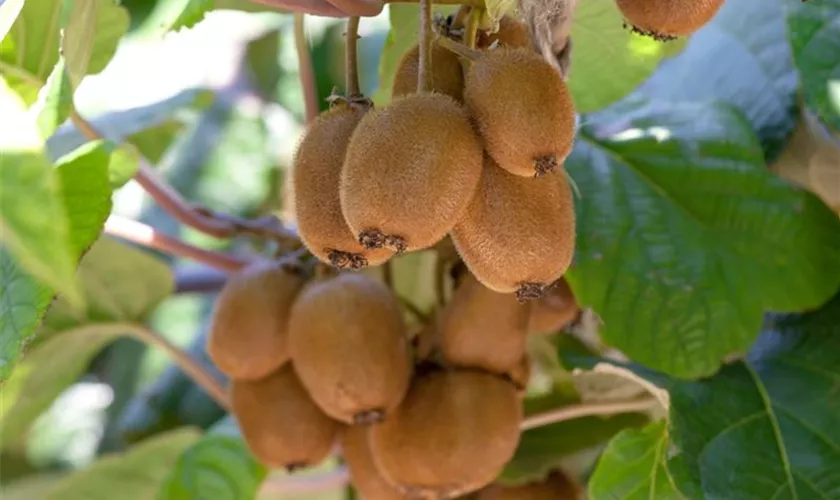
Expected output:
(307, 74)
(315, 7)
(344, 8)
(184, 361)
(351, 69)
(424, 72)
(212, 223)
(145, 235)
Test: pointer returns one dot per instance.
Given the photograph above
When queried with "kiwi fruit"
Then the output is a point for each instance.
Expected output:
(518, 234)
(447, 73)
(281, 424)
(316, 174)
(510, 33)
(484, 329)
(523, 109)
(248, 329)
(668, 19)
(410, 172)
(349, 344)
(556, 486)
(520, 374)
(554, 310)
(453, 433)
(365, 477)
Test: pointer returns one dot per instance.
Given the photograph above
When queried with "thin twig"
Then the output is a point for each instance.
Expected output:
(145, 235)
(351, 69)
(471, 31)
(587, 410)
(208, 222)
(184, 361)
(344, 8)
(307, 74)
(424, 72)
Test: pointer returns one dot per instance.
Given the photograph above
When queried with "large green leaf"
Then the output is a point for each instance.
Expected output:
(608, 60)
(815, 38)
(218, 466)
(86, 197)
(543, 448)
(30, 50)
(633, 467)
(32, 218)
(91, 30)
(686, 239)
(134, 475)
(742, 57)
(765, 427)
(122, 285)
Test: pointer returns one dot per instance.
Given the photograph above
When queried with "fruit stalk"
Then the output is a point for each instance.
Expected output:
(307, 74)
(471, 32)
(351, 70)
(424, 74)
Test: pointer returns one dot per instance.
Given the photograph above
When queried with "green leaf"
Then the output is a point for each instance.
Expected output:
(777, 413)
(686, 239)
(91, 35)
(608, 60)
(218, 466)
(815, 39)
(404, 20)
(136, 474)
(9, 11)
(32, 218)
(122, 285)
(22, 305)
(633, 467)
(172, 15)
(54, 101)
(543, 448)
(767, 426)
(30, 50)
(86, 193)
(86, 197)
(742, 57)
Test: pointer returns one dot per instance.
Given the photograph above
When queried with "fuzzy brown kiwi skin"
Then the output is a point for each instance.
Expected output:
(280, 423)
(518, 235)
(249, 326)
(668, 19)
(436, 443)
(410, 171)
(511, 33)
(484, 329)
(524, 110)
(316, 175)
(350, 348)
(447, 73)
(365, 477)
(556, 486)
(556, 309)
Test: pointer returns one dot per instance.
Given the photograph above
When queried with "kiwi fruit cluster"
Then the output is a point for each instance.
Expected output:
(668, 19)
(477, 156)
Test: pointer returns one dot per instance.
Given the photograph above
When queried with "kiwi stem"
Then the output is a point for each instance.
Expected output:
(212, 223)
(471, 32)
(458, 48)
(142, 234)
(572, 412)
(184, 361)
(424, 72)
(307, 74)
(351, 70)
